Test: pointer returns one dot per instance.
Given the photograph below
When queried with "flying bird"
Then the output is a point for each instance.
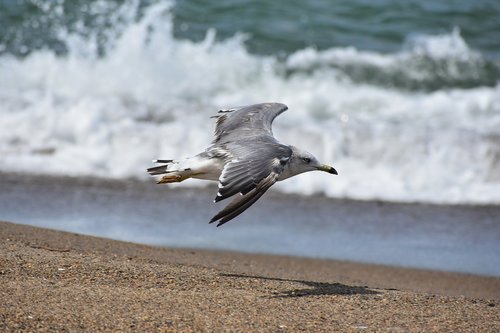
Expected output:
(244, 158)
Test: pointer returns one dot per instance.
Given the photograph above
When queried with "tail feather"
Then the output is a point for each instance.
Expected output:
(171, 170)
(161, 169)
(158, 170)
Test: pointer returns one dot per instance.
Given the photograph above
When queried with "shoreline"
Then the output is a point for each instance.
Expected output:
(211, 188)
(446, 238)
(65, 281)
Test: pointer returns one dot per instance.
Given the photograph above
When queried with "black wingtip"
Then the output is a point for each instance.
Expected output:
(221, 221)
(218, 224)
(218, 218)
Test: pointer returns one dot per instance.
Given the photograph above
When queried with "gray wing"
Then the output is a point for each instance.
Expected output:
(255, 167)
(246, 121)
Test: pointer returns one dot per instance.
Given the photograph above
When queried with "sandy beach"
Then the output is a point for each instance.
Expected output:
(57, 281)
(400, 99)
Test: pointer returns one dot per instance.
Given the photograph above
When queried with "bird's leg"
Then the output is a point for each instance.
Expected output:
(172, 178)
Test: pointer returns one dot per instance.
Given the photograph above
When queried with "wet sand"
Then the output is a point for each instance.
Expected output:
(457, 238)
(57, 281)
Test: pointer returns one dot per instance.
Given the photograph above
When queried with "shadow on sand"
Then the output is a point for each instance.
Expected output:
(315, 288)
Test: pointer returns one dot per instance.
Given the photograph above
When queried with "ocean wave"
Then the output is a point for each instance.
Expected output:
(425, 63)
(149, 95)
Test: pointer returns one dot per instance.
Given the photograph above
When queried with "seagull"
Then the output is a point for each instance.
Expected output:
(244, 158)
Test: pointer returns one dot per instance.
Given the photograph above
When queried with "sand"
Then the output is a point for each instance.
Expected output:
(56, 281)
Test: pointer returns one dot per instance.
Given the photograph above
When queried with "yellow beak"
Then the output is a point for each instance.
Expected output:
(327, 168)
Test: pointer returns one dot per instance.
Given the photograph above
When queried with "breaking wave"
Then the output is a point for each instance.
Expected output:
(421, 124)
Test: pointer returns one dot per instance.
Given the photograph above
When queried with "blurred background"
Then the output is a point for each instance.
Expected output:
(401, 97)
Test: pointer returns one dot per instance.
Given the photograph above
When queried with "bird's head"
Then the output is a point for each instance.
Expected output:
(303, 161)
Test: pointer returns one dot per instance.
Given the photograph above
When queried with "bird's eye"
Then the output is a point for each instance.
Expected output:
(306, 159)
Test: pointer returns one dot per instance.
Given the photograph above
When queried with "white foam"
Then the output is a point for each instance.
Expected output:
(151, 95)
(442, 46)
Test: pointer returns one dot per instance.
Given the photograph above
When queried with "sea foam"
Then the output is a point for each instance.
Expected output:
(150, 95)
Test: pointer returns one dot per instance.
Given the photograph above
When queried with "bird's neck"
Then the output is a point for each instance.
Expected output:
(289, 170)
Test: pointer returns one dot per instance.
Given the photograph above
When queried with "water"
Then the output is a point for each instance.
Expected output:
(438, 237)
(402, 98)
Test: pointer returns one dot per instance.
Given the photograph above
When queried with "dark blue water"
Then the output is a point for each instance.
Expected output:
(271, 26)
(280, 29)
(380, 25)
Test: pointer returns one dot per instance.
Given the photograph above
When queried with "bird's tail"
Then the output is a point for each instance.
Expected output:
(171, 171)
(161, 169)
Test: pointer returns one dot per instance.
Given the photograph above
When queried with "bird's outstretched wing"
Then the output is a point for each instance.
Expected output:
(241, 203)
(256, 165)
(246, 121)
